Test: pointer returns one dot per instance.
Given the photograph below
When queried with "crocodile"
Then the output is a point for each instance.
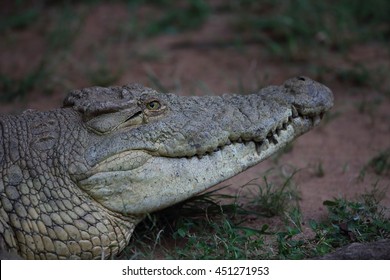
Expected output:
(76, 180)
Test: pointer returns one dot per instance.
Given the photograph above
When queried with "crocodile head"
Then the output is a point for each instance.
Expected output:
(148, 150)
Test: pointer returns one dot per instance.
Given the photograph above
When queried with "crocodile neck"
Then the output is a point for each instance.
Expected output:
(44, 215)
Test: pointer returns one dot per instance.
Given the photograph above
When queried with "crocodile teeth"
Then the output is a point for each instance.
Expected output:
(259, 147)
(271, 134)
(273, 139)
(316, 120)
(266, 144)
(294, 112)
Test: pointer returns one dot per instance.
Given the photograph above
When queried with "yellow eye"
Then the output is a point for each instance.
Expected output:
(153, 105)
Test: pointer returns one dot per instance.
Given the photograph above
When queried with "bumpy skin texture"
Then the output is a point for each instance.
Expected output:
(43, 213)
(75, 181)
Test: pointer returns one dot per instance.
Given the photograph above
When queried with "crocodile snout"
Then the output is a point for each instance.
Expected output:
(309, 97)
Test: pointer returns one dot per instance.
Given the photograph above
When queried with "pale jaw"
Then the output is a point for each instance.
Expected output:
(158, 182)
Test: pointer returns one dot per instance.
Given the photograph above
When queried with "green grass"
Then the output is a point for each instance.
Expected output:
(173, 17)
(58, 28)
(177, 19)
(199, 228)
(319, 170)
(67, 22)
(20, 16)
(101, 74)
(287, 25)
(295, 30)
(358, 75)
(218, 226)
(379, 164)
(16, 89)
(270, 199)
(361, 220)
(361, 76)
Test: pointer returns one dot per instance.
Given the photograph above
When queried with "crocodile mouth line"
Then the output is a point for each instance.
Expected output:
(273, 135)
(276, 137)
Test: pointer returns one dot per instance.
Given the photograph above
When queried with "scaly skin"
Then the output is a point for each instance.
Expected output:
(75, 181)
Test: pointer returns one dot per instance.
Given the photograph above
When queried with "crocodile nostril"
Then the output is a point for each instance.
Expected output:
(301, 78)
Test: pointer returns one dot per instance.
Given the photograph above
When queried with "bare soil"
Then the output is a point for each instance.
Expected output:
(330, 158)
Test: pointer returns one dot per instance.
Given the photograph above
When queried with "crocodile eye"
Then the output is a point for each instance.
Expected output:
(153, 105)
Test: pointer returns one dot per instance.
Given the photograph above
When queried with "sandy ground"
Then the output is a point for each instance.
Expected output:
(356, 130)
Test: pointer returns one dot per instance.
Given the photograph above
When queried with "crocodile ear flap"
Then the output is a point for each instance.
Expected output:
(106, 123)
(95, 101)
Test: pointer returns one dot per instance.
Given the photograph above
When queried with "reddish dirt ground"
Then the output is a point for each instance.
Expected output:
(357, 130)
